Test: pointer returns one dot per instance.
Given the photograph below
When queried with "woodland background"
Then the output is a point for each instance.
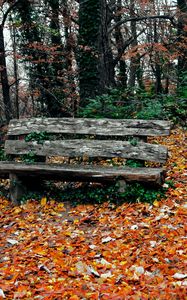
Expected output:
(96, 58)
(93, 58)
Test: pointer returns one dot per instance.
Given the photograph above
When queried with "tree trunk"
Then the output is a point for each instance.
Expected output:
(182, 36)
(158, 68)
(70, 49)
(15, 67)
(106, 64)
(4, 78)
(135, 70)
(95, 60)
(54, 71)
(122, 78)
(88, 54)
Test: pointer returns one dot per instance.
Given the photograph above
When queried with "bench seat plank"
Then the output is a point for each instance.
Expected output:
(101, 127)
(91, 148)
(83, 172)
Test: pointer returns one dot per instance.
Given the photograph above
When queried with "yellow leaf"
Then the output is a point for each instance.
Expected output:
(43, 201)
(74, 297)
(156, 203)
(76, 221)
(17, 210)
(61, 207)
(68, 233)
(39, 251)
(54, 213)
(52, 202)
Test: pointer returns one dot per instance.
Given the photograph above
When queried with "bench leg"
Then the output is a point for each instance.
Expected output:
(122, 186)
(17, 188)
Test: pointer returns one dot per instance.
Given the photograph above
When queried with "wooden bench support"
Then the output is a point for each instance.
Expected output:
(17, 188)
(122, 186)
(21, 185)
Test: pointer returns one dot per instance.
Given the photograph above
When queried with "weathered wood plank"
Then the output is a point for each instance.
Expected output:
(91, 148)
(101, 127)
(83, 173)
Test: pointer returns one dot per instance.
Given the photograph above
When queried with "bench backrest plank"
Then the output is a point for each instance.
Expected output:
(104, 138)
(100, 127)
(91, 148)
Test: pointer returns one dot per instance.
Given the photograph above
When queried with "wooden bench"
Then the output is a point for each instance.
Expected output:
(69, 137)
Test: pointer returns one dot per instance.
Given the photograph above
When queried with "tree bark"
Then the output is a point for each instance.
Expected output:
(4, 77)
(158, 68)
(3, 65)
(182, 36)
(106, 63)
(95, 60)
(15, 67)
(120, 48)
(135, 75)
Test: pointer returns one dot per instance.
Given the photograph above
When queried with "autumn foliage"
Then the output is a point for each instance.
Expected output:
(50, 250)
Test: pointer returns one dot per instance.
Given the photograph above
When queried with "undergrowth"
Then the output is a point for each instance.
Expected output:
(137, 104)
(3, 156)
(97, 193)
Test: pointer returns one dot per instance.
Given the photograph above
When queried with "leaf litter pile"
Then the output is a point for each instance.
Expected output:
(131, 251)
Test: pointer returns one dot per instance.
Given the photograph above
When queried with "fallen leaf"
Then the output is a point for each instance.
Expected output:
(156, 203)
(134, 227)
(2, 294)
(107, 239)
(12, 241)
(43, 267)
(43, 201)
(106, 275)
(153, 244)
(179, 276)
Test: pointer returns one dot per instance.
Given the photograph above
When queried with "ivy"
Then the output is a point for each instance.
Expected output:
(87, 55)
(39, 137)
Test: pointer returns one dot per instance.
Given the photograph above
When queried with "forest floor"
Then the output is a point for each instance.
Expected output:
(51, 250)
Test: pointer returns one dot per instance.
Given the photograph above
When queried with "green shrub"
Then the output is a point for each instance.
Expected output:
(134, 192)
(98, 193)
(3, 156)
(29, 158)
(29, 196)
(176, 110)
(39, 137)
(113, 105)
(139, 104)
(134, 163)
(151, 109)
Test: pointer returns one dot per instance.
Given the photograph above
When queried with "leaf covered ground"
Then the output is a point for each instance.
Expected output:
(132, 251)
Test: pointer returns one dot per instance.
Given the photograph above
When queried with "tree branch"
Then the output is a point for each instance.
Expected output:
(125, 45)
(8, 11)
(37, 83)
(16, 81)
(136, 19)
